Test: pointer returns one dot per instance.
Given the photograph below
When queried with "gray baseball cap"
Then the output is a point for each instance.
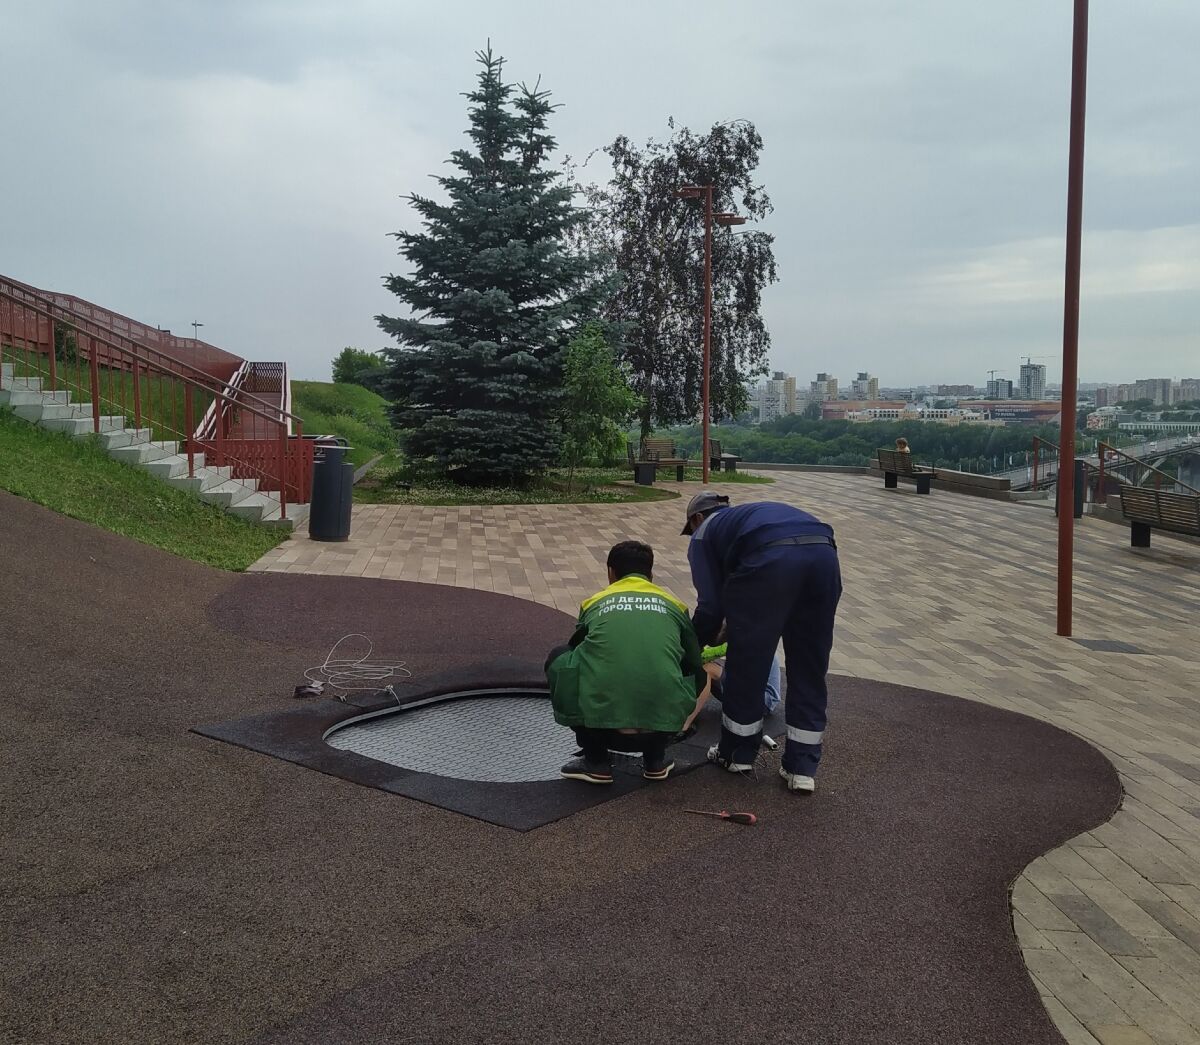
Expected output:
(704, 501)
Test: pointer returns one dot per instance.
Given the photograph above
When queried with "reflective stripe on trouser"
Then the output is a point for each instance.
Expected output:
(789, 592)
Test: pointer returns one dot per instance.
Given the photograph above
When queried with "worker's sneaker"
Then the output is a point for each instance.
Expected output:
(798, 782)
(714, 755)
(656, 768)
(588, 772)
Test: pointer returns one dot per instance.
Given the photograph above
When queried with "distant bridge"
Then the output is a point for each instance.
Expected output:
(1042, 469)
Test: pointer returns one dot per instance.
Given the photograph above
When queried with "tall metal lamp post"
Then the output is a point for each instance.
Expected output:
(694, 192)
(1070, 381)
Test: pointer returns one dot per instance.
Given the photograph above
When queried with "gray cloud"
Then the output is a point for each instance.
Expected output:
(241, 163)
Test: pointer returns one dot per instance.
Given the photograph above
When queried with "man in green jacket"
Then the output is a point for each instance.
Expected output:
(631, 674)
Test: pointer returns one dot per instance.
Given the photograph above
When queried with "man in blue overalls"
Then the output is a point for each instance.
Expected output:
(767, 571)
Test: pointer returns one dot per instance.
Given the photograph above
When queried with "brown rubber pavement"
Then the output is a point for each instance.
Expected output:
(157, 886)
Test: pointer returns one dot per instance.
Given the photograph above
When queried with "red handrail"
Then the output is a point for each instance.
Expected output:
(30, 298)
(1039, 442)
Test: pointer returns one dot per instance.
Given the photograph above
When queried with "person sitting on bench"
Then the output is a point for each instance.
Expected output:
(631, 673)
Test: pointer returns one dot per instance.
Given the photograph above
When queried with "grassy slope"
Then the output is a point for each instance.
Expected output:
(77, 478)
(350, 411)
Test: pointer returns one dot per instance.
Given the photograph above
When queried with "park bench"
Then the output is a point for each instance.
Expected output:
(1153, 509)
(662, 453)
(716, 458)
(894, 464)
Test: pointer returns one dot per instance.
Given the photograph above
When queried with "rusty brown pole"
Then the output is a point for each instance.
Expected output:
(1070, 380)
(708, 222)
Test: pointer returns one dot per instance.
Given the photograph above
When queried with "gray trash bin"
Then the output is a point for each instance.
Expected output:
(332, 491)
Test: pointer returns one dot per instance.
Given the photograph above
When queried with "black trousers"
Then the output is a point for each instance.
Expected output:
(597, 743)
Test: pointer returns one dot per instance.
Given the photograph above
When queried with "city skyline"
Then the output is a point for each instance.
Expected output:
(845, 382)
(781, 394)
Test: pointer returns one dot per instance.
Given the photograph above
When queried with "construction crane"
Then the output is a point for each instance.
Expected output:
(992, 374)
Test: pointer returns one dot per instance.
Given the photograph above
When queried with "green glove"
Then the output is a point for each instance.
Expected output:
(710, 653)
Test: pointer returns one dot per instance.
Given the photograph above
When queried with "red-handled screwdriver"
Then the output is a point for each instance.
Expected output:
(749, 819)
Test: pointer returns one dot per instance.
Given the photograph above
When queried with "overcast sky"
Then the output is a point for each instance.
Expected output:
(241, 163)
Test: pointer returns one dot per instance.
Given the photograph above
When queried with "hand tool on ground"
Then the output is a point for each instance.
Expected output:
(749, 819)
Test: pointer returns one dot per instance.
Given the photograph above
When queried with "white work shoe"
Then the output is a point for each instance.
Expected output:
(714, 755)
(805, 785)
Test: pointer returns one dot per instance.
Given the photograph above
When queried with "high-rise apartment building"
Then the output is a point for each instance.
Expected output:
(865, 386)
(999, 388)
(1032, 381)
(823, 389)
(1189, 390)
(789, 405)
(1156, 389)
(774, 398)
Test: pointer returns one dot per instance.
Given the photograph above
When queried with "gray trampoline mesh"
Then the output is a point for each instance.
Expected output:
(495, 739)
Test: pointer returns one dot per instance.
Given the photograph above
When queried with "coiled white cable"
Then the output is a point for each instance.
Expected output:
(348, 674)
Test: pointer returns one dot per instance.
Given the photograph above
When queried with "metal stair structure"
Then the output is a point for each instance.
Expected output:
(215, 484)
(71, 367)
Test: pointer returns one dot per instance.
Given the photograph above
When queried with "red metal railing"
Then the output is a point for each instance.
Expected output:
(128, 382)
(1136, 470)
(1046, 468)
(1042, 466)
(1100, 476)
(237, 430)
(205, 357)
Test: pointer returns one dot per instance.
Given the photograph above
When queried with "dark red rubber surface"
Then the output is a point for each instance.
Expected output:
(159, 886)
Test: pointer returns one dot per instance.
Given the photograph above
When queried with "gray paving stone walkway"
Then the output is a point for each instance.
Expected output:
(953, 594)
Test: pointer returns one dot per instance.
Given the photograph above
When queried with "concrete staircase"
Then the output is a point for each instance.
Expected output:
(216, 485)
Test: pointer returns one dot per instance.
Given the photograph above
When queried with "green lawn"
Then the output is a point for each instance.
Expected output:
(385, 484)
(77, 478)
(695, 475)
(351, 411)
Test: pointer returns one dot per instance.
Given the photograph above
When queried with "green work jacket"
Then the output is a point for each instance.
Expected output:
(634, 662)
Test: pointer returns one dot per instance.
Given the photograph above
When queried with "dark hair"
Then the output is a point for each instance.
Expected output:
(631, 557)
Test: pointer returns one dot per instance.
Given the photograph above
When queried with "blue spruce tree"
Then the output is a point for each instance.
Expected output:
(495, 293)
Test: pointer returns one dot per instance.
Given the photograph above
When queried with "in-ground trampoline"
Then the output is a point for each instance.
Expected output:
(490, 753)
(498, 738)
(471, 730)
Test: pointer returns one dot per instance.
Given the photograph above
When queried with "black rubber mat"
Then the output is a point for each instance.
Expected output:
(297, 735)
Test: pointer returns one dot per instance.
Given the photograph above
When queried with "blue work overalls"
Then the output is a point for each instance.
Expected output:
(770, 572)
